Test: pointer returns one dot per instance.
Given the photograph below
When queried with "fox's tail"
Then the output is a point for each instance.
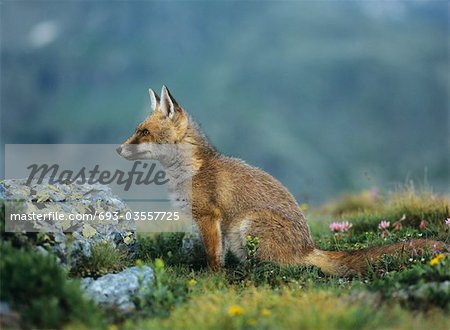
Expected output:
(358, 261)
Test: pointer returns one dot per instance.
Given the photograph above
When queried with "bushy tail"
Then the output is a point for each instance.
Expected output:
(358, 261)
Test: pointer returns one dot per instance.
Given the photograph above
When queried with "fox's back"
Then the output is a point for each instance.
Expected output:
(235, 187)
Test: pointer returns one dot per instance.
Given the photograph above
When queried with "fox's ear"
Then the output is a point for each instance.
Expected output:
(154, 98)
(168, 104)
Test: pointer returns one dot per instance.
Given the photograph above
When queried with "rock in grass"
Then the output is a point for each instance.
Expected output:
(118, 290)
(71, 241)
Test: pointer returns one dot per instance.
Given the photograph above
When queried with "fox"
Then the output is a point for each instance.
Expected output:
(231, 200)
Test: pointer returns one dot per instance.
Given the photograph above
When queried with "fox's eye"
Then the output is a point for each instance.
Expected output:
(144, 132)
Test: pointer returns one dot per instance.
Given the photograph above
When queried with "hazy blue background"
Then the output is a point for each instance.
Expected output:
(326, 96)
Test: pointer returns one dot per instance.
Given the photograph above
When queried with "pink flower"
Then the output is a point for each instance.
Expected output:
(384, 225)
(339, 227)
(335, 226)
(447, 222)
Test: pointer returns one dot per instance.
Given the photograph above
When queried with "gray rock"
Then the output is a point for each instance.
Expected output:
(118, 290)
(76, 237)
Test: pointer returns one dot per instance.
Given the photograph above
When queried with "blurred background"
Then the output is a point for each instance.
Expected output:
(328, 96)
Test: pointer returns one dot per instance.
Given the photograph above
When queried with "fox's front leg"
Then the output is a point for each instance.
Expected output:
(212, 239)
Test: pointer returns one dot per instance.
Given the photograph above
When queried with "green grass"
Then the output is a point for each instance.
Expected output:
(287, 308)
(36, 286)
(399, 292)
(104, 259)
(404, 291)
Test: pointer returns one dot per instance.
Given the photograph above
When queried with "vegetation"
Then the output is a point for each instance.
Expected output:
(287, 308)
(355, 92)
(36, 286)
(169, 248)
(104, 259)
(403, 291)
(399, 292)
(168, 291)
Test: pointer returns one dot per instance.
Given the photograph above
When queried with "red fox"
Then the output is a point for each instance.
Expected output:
(231, 200)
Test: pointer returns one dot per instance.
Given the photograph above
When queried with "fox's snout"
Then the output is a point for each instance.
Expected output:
(128, 151)
(125, 152)
(135, 151)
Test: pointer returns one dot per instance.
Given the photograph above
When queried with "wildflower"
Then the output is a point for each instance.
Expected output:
(265, 312)
(436, 260)
(384, 225)
(447, 222)
(335, 226)
(192, 282)
(235, 310)
(340, 226)
(423, 224)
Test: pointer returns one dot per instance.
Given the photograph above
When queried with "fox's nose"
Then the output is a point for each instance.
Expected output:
(119, 149)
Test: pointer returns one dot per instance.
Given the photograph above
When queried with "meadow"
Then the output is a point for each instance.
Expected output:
(402, 291)
(326, 96)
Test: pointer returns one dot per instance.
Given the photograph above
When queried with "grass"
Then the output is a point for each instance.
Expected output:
(400, 292)
(408, 207)
(36, 286)
(104, 259)
(404, 291)
(287, 308)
